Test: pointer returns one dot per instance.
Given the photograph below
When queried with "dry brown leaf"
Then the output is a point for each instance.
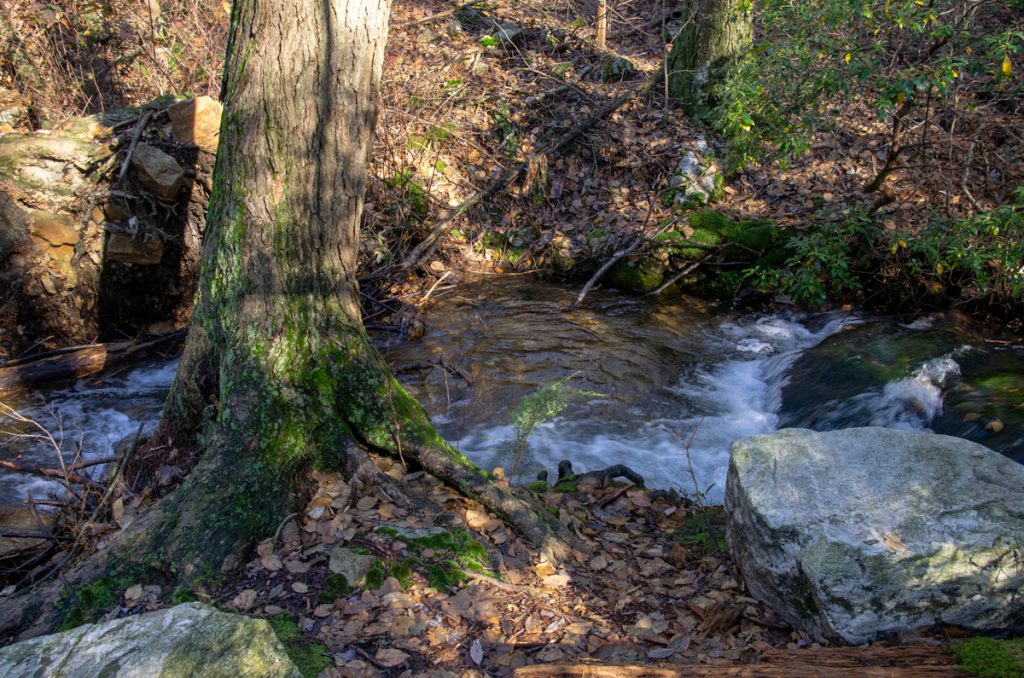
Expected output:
(389, 657)
(271, 562)
(366, 503)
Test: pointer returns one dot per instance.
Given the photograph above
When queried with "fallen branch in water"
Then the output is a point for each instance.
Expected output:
(634, 245)
(78, 363)
(56, 473)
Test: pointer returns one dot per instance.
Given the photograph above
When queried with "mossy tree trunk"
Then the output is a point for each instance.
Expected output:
(713, 34)
(278, 374)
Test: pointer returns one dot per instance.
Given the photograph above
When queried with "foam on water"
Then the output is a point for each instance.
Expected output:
(911, 404)
(719, 403)
(91, 414)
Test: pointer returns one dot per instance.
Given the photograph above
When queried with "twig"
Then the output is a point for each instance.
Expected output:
(113, 482)
(678, 276)
(280, 527)
(621, 254)
(131, 147)
(497, 583)
(34, 535)
(434, 286)
(634, 245)
(440, 15)
(49, 473)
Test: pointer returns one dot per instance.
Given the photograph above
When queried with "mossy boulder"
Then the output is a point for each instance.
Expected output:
(186, 640)
(858, 534)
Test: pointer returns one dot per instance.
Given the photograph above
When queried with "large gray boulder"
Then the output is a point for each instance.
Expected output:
(186, 640)
(857, 534)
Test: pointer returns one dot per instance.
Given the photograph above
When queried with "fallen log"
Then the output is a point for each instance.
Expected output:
(827, 662)
(67, 366)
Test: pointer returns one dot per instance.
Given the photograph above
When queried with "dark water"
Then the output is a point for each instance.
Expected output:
(677, 382)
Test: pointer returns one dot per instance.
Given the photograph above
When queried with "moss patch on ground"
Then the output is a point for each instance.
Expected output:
(442, 559)
(86, 603)
(704, 530)
(309, 656)
(991, 658)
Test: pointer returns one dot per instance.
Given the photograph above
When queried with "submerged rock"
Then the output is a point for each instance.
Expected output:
(857, 534)
(186, 640)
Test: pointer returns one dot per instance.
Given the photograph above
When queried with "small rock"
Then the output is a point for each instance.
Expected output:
(157, 171)
(244, 600)
(197, 121)
(695, 179)
(351, 565)
(510, 34)
(556, 581)
(426, 36)
(146, 251)
(53, 228)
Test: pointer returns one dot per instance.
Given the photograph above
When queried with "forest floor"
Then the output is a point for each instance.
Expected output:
(466, 100)
(446, 589)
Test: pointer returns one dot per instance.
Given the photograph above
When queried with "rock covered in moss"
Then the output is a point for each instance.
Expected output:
(861, 533)
(187, 640)
(641, 275)
(697, 180)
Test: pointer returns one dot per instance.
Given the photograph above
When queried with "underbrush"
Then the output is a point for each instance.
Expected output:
(83, 56)
(972, 262)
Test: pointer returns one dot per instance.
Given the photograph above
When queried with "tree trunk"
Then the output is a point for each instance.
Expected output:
(278, 371)
(713, 34)
(601, 33)
(278, 376)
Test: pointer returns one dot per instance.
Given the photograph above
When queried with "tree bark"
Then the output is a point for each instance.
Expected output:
(278, 373)
(278, 376)
(601, 31)
(713, 34)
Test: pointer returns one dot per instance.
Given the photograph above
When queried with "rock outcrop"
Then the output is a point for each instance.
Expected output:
(186, 640)
(85, 256)
(857, 534)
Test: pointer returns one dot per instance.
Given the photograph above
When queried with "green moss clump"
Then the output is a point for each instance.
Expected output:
(991, 658)
(451, 555)
(414, 196)
(86, 603)
(539, 486)
(182, 595)
(704, 530)
(640, 276)
(335, 586)
(376, 575)
(309, 656)
(403, 571)
(568, 486)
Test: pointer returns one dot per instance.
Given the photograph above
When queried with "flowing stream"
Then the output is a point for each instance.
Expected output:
(668, 384)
